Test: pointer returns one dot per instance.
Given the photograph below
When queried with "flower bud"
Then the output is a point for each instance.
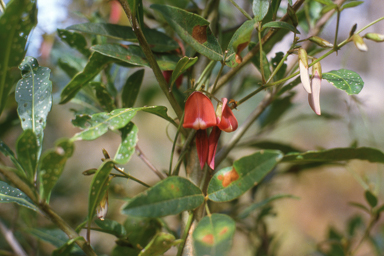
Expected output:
(375, 37)
(303, 67)
(359, 42)
(102, 208)
(226, 120)
(320, 41)
(314, 97)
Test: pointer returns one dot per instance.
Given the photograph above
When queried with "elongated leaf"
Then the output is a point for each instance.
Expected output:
(158, 41)
(71, 65)
(131, 89)
(133, 54)
(74, 40)
(9, 194)
(238, 42)
(275, 61)
(111, 227)
(182, 65)
(193, 29)
(161, 243)
(328, 8)
(102, 95)
(371, 198)
(99, 187)
(128, 142)
(16, 23)
(231, 182)
(337, 154)
(168, 197)
(345, 80)
(95, 64)
(34, 96)
(9, 153)
(266, 144)
(213, 235)
(161, 112)
(245, 213)
(260, 9)
(52, 165)
(326, 2)
(281, 24)
(27, 153)
(68, 249)
(351, 4)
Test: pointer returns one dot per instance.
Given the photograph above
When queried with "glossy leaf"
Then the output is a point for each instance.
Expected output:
(74, 40)
(111, 227)
(9, 194)
(52, 165)
(345, 80)
(99, 187)
(9, 153)
(128, 143)
(103, 97)
(161, 243)
(16, 23)
(280, 24)
(140, 230)
(193, 29)
(168, 197)
(95, 64)
(213, 235)
(158, 41)
(231, 182)
(337, 154)
(34, 96)
(239, 40)
(27, 153)
(133, 54)
(351, 4)
(371, 198)
(260, 9)
(131, 89)
(182, 65)
(245, 213)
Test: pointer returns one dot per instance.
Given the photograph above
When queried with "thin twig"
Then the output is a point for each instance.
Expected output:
(241, 10)
(12, 241)
(148, 163)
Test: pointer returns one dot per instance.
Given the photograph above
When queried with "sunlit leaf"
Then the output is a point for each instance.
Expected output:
(34, 96)
(337, 154)
(27, 153)
(131, 88)
(111, 227)
(193, 29)
(345, 80)
(74, 40)
(9, 194)
(213, 235)
(168, 197)
(16, 23)
(231, 182)
(128, 142)
(260, 9)
(280, 24)
(158, 41)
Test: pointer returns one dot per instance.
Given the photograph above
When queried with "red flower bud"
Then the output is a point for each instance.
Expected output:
(212, 146)
(226, 120)
(199, 112)
(168, 75)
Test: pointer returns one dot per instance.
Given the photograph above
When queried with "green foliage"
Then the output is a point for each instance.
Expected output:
(182, 65)
(27, 153)
(128, 142)
(131, 89)
(346, 80)
(9, 194)
(260, 9)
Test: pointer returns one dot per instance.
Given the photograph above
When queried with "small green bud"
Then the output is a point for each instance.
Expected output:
(320, 41)
(359, 42)
(89, 172)
(292, 15)
(375, 37)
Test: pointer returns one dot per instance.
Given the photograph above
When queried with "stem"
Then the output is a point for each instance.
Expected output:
(370, 24)
(278, 67)
(221, 70)
(372, 221)
(12, 241)
(174, 145)
(151, 59)
(185, 233)
(250, 95)
(337, 29)
(183, 152)
(148, 163)
(130, 177)
(206, 73)
(261, 53)
(2, 6)
(241, 10)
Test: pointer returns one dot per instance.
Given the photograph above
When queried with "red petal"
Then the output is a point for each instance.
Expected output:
(167, 75)
(199, 112)
(212, 146)
(228, 121)
(202, 146)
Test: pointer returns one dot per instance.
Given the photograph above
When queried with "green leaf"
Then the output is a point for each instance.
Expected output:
(345, 80)
(351, 4)
(337, 154)
(67, 249)
(256, 61)
(74, 40)
(213, 235)
(9, 194)
(16, 23)
(9, 153)
(27, 152)
(245, 213)
(260, 9)
(266, 144)
(71, 65)
(371, 198)
(276, 110)
(99, 187)
(161, 112)
(128, 142)
(133, 54)
(231, 182)
(34, 96)
(275, 61)
(111, 227)
(326, 2)
(239, 40)
(182, 65)
(95, 64)
(360, 206)
(140, 231)
(193, 29)
(52, 165)
(158, 41)
(168, 197)
(124, 250)
(131, 89)
(161, 243)
(103, 97)
(280, 24)
(328, 8)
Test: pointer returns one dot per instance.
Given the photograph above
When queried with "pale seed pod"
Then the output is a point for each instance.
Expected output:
(320, 41)
(359, 43)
